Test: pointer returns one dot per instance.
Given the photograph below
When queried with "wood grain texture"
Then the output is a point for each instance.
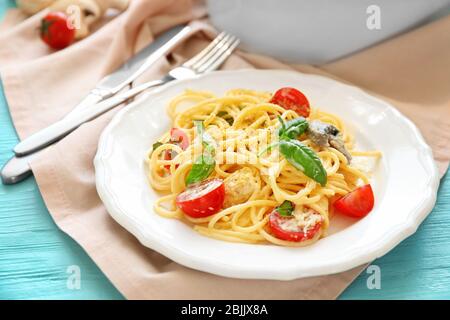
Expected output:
(35, 254)
(418, 268)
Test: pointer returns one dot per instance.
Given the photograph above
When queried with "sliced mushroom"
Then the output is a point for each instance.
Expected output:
(327, 135)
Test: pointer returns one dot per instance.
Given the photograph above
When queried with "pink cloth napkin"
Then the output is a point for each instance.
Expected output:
(41, 86)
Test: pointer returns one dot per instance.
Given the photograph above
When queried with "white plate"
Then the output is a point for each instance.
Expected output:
(405, 181)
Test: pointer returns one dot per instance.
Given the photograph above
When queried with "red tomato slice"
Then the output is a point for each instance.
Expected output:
(202, 199)
(180, 138)
(292, 99)
(357, 203)
(168, 156)
(279, 230)
(55, 30)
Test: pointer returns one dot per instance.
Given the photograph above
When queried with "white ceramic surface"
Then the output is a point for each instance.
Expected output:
(317, 31)
(405, 181)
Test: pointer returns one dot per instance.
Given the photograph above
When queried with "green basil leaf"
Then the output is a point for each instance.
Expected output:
(292, 129)
(207, 141)
(156, 145)
(198, 124)
(204, 165)
(201, 169)
(268, 148)
(285, 209)
(283, 125)
(304, 159)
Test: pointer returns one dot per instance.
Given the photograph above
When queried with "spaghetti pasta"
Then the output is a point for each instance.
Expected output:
(257, 178)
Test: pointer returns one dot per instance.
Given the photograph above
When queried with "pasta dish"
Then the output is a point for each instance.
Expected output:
(257, 167)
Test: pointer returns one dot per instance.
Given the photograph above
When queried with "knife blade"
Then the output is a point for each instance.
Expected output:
(116, 81)
(18, 168)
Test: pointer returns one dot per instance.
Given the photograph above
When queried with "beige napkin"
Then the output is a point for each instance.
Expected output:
(411, 71)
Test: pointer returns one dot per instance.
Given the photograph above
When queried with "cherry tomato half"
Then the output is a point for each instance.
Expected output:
(357, 203)
(296, 234)
(202, 199)
(292, 99)
(55, 30)
(180, 138)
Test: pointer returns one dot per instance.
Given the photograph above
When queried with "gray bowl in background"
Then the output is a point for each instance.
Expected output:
(317, 31)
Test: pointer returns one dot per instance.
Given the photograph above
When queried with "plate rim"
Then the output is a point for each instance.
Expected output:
(379, 248)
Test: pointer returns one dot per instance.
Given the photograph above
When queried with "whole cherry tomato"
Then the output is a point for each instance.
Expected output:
(292, 99)
(357, 203)
(55, 30)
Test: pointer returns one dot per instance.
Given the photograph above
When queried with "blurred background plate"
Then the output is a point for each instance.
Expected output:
(319, 31)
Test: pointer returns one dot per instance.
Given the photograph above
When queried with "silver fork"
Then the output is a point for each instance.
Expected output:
(209, 59)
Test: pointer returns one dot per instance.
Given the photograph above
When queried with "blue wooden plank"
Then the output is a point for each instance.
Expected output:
(418, 268)
(4, 5)
(35, 255)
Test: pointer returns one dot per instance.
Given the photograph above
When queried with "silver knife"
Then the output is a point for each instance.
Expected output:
(116, 81)
(18, 169)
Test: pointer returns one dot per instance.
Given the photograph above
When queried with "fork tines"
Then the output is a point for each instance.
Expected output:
(214, 54)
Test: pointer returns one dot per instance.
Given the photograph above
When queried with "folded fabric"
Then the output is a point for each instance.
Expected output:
(41, 86)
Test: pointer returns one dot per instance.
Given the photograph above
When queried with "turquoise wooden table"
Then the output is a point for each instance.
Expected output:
(36, 257)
